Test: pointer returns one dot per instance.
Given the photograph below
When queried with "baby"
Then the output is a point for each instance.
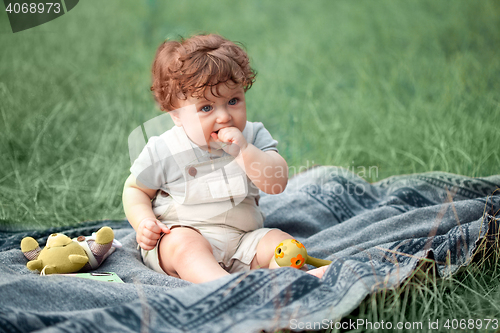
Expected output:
(193, 192)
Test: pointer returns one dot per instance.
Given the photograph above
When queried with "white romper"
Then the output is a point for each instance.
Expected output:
(216, 198)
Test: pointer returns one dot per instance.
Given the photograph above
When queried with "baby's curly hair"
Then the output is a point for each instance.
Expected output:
(189, 67)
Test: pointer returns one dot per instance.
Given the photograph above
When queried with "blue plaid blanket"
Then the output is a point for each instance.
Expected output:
(377, 235)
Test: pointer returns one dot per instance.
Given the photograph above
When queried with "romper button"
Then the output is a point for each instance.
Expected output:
(192, 171)
(80, 238)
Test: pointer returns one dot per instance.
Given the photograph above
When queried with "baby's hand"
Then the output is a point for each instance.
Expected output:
(232, 138)
(148, 233)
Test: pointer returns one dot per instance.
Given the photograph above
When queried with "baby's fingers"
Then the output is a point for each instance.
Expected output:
(149, 234)
(145, 242)
(155, 226)
(163, 227)
(146, 246)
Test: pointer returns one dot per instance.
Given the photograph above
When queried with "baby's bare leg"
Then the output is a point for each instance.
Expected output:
(186, 254)
(264, 257)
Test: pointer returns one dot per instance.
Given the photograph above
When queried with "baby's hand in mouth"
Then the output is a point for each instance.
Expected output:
(231, 139)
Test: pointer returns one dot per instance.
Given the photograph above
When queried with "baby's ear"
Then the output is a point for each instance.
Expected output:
(174, 114)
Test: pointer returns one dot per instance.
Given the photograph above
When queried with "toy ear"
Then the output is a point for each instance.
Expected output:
(104, 235)
(28, 244)
(30, 248)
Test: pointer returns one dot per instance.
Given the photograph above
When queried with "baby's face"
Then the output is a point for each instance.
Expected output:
(201, 116)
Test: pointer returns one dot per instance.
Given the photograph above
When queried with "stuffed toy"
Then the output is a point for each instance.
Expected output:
(62, 255)
(293, 253)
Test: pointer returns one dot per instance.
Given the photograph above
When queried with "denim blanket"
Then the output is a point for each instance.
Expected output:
(377, 235)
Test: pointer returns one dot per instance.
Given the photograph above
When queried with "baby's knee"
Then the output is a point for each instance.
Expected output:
(180, 244)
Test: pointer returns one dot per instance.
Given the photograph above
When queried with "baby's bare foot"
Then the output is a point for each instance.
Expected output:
(318, 272)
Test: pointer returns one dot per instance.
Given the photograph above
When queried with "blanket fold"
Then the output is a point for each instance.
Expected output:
(377, 236)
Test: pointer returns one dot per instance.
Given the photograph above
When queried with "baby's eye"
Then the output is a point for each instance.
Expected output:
(233, 101)
(206, 108)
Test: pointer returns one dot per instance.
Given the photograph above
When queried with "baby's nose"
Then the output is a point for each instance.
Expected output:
(223, 116)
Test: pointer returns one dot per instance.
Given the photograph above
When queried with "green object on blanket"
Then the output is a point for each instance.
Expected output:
(99, 276)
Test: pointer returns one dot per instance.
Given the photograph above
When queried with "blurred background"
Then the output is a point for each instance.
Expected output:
(378, 87)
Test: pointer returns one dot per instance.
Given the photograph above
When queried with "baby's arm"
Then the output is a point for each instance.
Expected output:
(137, 206)
(267, 170)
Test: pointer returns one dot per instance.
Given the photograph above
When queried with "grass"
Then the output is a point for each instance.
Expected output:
(401, 86)
(464, 302)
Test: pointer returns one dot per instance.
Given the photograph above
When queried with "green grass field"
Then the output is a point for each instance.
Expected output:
(401, 87)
